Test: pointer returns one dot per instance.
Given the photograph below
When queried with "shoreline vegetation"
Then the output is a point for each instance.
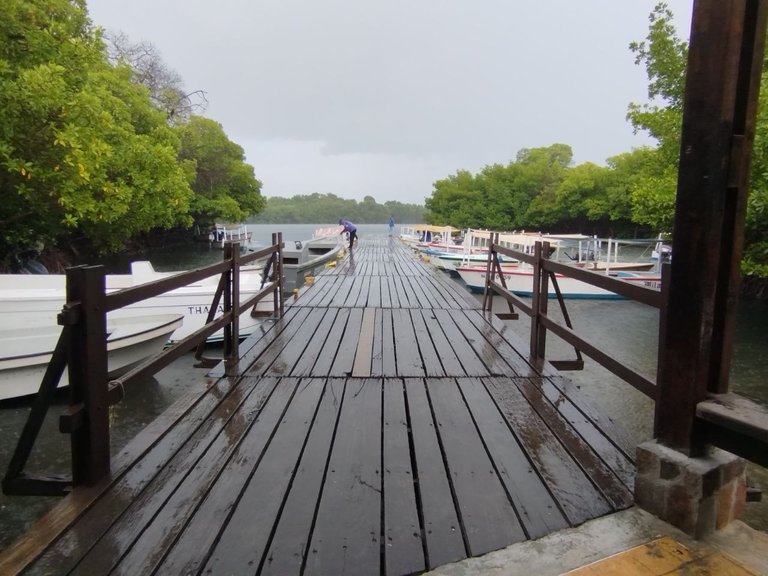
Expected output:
(56, 260)
(104, 152)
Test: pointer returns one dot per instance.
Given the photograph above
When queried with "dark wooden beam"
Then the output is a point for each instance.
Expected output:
(88, 374)
(722, 85)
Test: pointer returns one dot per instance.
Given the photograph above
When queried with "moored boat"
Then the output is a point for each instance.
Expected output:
(589, 253)
(520, 281)
(34, 300)
(223, 233)
(302, 257)
(427, 236)
(26, 351)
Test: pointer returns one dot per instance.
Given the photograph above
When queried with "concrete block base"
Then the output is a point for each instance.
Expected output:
(697, 495)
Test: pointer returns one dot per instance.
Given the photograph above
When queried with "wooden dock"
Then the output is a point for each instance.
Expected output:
(384, 425)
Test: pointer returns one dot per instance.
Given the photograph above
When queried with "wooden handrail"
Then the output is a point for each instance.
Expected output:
(544, 271)
(82, 347)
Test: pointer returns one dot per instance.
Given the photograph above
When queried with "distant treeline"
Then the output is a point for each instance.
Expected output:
(314, 208)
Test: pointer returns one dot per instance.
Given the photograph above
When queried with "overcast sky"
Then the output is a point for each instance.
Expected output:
(383, 97)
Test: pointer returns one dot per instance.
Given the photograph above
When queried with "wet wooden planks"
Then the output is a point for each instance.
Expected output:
(339, 476)
(384, 425)
(382, 342)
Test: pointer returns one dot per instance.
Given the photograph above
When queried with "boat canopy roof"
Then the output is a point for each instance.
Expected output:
(432, 228)
(530, 238)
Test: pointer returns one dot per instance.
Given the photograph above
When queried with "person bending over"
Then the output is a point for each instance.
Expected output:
(347, 226)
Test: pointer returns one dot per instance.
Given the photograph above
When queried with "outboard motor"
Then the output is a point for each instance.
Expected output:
(26, 264)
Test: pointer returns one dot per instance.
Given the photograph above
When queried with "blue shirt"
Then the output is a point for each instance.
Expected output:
(348, 226)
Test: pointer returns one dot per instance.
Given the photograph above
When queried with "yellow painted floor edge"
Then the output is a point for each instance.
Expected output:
(664, 556)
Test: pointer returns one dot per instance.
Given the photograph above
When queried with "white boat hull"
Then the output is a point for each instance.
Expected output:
(34, 300)
(520, 282)
(27, 351)
(301, 258)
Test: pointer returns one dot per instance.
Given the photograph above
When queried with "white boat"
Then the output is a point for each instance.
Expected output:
(661, 250)
(520, 281)
(472, 252)
(34, 300)
(223, 233)
(599, 255)
(302, 257)
(420, 236)
(27, 351)
(449, 261)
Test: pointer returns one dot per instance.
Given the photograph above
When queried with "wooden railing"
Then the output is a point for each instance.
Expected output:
(727, 420)
(546, 271)
(82, 348)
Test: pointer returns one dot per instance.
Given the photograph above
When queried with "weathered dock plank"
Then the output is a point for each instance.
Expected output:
(189, 424)
(384, 425)
(403, 546)
(347, 534)
(442, 531)
(257, 490)
(289, 544)
(537, 509)
(486, 514)
(471, 363)
(324, 362)
(574, 491)
(306, 362)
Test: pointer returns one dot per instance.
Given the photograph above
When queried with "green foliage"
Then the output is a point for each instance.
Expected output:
(84, 152)
(664, 56)
(325, 208)
(224, 185)
(457, 199)
(81, 149)
(755, 259)
(634, 194)
(502, 197)
(539, 191)
(653, 190)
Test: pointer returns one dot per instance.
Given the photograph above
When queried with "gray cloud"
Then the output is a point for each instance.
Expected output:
(383, 97)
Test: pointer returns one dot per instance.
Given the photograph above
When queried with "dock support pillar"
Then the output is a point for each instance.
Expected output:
(697, 495)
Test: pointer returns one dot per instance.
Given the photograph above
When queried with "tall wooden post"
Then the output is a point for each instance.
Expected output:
(724, 67)
(279, 298)
(88, 375)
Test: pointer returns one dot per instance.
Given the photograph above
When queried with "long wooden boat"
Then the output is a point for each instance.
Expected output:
(420, 236)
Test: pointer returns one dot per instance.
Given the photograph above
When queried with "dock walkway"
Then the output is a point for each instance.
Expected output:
(384, 425)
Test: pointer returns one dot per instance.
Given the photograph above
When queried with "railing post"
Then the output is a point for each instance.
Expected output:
(490, 272)
(539, 301)
(543, 306)
(535, 297)
(232, 302)
(89, 408)
(277, 239)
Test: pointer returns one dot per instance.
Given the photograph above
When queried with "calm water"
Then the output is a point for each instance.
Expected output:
(626, 330)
